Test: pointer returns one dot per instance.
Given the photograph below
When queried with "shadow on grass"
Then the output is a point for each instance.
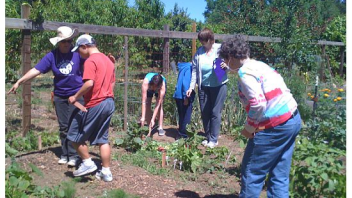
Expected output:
(191, 194)
(235, 171)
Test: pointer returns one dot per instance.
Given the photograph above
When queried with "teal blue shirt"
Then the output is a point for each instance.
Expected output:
(149, 77)
(202, 68)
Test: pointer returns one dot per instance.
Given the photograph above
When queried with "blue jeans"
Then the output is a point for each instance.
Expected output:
(211, 100)
(269, 152)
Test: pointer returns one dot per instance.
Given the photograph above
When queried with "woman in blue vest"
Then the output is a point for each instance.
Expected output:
(154, 84)
(183, 103)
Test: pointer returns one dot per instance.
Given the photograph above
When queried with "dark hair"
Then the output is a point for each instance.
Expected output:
(156, 80)
(236, 47)
(205, 35)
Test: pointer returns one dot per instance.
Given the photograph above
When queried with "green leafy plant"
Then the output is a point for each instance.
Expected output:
(49, 139)
(27, 143)
(329, 122)
(317, 170)
(19, 183)
(133, 141)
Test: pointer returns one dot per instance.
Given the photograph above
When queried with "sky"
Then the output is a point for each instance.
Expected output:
(195, 8)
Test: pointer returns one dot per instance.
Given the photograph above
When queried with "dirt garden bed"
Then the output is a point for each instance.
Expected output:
(131, 179)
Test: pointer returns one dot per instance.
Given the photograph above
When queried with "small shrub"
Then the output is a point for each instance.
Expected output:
(317, 170)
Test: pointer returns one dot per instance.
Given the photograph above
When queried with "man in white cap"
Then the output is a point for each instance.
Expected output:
(66, 67)
(93, 125)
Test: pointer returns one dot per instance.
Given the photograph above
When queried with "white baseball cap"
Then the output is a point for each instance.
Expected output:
(84, 39)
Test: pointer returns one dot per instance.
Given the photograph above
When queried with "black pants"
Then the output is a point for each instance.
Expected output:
(184, 116)
(211, 100)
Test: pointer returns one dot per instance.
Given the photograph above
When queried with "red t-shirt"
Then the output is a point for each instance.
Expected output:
(99, 68)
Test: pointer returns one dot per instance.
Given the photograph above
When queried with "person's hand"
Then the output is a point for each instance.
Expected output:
(247, 134)
(72, 99)
(224, 66)
(151, 124)
(185, 101)
(112, 58)
(142, 121)
(189, 92)
(259, 129)
(14, 88)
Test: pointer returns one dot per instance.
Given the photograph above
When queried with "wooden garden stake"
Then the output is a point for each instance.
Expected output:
(39, 142)
(163, 159)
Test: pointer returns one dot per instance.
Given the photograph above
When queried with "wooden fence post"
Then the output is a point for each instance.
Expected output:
(342, 60)
(194, 44)
(322, 66)
(26, 66)
(125, 103)
(166, 58)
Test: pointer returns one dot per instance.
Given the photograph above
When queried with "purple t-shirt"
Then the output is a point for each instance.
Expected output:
(67, 70)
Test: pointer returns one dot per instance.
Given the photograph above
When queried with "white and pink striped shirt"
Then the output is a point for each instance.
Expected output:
(265, 96)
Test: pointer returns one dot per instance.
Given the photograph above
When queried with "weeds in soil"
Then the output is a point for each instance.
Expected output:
(18, 183)
(146, 160)
(15, 143)
(183, 154)
(134, 139)
(118, 193)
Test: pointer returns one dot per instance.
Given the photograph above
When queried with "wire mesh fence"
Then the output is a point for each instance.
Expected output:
(145, 55)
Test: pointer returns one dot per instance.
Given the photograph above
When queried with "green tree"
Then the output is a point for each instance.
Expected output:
(180, 49)
(12, 46)
(298, 23)
(336, 31)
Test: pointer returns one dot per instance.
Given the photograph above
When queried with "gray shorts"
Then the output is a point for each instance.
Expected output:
(92, 126)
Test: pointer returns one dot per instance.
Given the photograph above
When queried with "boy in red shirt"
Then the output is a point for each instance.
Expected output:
(92, 123)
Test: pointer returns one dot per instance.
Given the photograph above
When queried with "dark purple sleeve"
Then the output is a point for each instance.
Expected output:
(46, 63)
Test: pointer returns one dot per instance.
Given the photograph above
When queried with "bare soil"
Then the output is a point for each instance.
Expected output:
(131, 179)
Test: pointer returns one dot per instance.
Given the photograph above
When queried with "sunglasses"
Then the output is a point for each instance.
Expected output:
(66, 41)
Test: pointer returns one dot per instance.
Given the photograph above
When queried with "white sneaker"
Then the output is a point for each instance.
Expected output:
(105, 177)
(212, 144)
(205, 142)
(84, 169)
(63, 160)
(72, 161)
(161, 132)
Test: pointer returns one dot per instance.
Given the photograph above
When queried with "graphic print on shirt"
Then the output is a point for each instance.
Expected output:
(65, 67)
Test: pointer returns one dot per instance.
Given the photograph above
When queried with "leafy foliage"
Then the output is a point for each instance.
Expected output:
(317, 170)
(329, 122)
(297, 23)
(18, 183)
(15, 143)
(318, 163)
(133, 140)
